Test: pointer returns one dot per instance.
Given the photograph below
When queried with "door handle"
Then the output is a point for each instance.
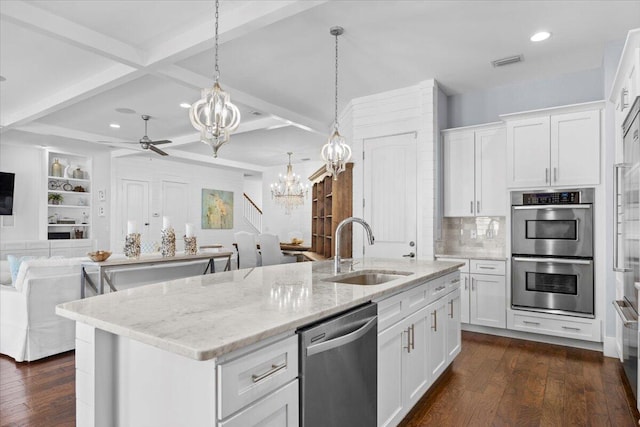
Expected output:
(478, 206)
(471, 207)
(466, 286)
(410, 255)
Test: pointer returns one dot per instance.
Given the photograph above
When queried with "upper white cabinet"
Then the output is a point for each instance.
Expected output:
(474, 171)
(554, 147)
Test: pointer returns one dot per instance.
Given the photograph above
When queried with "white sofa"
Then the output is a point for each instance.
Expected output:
(29, 326)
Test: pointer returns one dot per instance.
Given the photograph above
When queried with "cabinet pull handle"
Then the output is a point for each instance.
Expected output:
(471, 206)
(274, 368)
(473, 284)
(408, 346)
(546, 175)
(439, 288)
(451, 313)
(570, 328)
(527, 322)
(456, 280)
(478, 206)
(435, 320)
(623, 99)
(466, 285)
(413, 337)
(486, 268)
(555, 175)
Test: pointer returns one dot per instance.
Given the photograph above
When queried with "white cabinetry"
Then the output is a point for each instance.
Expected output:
(418, 338)
(483, 292)
(474, 171)
(68, 196)
(554, 147)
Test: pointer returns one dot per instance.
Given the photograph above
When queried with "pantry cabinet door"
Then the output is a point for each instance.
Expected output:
(575, 148)
(459, 187)
(528, 152)
(491, 172)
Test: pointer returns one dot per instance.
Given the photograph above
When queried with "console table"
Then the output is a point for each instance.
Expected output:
(104, 267)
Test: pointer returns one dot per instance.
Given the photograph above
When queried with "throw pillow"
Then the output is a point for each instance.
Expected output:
(14, 265)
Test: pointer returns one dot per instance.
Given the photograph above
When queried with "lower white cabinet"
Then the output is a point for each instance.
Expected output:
(279, 408)
(487, 300)
(415, 350)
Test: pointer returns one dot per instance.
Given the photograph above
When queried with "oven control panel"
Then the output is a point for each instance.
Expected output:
(559, 198)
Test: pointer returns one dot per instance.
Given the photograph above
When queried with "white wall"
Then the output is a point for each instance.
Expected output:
(155, 170)
(274, 220)
(485, 106)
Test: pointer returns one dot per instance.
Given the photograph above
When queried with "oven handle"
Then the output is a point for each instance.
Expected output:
(623, 317)
(536, 207)
(554, 260)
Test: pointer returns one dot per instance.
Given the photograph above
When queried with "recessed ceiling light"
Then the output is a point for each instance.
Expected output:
(185, 105)
(114, 125)
(125, 110)
(541, 36)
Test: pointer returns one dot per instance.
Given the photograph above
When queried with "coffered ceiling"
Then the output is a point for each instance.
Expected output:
(70, 64)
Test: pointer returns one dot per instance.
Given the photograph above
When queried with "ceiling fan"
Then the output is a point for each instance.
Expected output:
(147, 144)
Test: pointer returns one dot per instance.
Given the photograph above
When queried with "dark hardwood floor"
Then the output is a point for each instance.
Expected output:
(495, 381)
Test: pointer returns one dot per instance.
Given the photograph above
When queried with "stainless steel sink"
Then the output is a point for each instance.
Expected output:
(368, 277)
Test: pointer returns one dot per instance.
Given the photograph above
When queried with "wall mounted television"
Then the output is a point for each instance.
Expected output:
(7, 181)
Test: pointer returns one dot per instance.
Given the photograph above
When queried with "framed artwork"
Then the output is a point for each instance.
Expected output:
(217, 209)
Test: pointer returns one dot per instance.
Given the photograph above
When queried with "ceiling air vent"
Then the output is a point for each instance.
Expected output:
(508, 60)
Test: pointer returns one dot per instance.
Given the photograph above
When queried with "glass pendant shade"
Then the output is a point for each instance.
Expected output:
(336, 153)
(215, 117)
(289, 192)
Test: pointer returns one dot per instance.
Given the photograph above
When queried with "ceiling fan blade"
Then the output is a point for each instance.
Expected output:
(164, 141)
(157, 150)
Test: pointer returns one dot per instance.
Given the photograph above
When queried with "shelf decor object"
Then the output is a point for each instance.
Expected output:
(190, 241)
(214, 115)
(289, 192)
(168, 239)
(336, 153)
(132, 241)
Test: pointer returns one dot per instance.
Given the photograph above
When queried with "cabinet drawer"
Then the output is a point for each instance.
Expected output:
(438, 288)
(452, 281)
(278, 409)
(478, 266)
(254, 375)
(570, 328)
(391, 310)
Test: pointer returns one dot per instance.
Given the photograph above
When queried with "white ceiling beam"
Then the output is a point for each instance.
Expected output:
(98, 83)
(52, 130)
(237, 22)
(195, 80)
(44, 22)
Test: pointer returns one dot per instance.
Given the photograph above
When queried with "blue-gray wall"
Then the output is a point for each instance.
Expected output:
(485, 106)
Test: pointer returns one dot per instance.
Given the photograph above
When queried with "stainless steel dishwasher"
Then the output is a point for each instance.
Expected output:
(339, 370)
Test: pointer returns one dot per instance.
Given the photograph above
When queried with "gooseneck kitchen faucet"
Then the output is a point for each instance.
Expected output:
(367, 228)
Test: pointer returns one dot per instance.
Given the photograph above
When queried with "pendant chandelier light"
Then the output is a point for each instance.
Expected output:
(289, 192)
(214, 115)
(336, 153)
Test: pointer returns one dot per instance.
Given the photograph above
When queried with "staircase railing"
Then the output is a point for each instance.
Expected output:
(252, 213)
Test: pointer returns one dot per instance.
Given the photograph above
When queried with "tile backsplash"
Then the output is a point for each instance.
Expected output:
(466, 235)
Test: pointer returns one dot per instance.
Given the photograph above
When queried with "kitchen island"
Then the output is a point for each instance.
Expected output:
(161, 354)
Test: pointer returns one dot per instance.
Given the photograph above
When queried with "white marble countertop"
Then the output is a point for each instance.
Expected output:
(203, 317)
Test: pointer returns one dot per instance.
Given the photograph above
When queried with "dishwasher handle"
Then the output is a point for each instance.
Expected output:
(342, 340)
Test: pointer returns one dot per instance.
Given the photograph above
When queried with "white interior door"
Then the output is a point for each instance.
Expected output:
(390, 195)
(175, 205)
(135, 207)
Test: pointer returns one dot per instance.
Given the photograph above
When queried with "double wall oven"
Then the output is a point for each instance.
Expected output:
(552, 251)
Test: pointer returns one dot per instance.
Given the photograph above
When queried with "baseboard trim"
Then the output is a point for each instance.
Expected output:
(549, 339)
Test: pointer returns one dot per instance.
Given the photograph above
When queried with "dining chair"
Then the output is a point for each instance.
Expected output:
(271, 252)
(247, 250)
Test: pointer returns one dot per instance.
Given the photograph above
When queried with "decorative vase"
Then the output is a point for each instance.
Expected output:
(132, 245)
(56, 168)
(190, 245)
(168, 242)
(78, 174)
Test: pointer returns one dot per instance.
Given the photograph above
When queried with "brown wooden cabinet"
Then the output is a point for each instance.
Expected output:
(332, 201)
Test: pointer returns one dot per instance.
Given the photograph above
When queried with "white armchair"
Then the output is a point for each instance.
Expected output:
(271, 252)
(29, 326)
(247, 250)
